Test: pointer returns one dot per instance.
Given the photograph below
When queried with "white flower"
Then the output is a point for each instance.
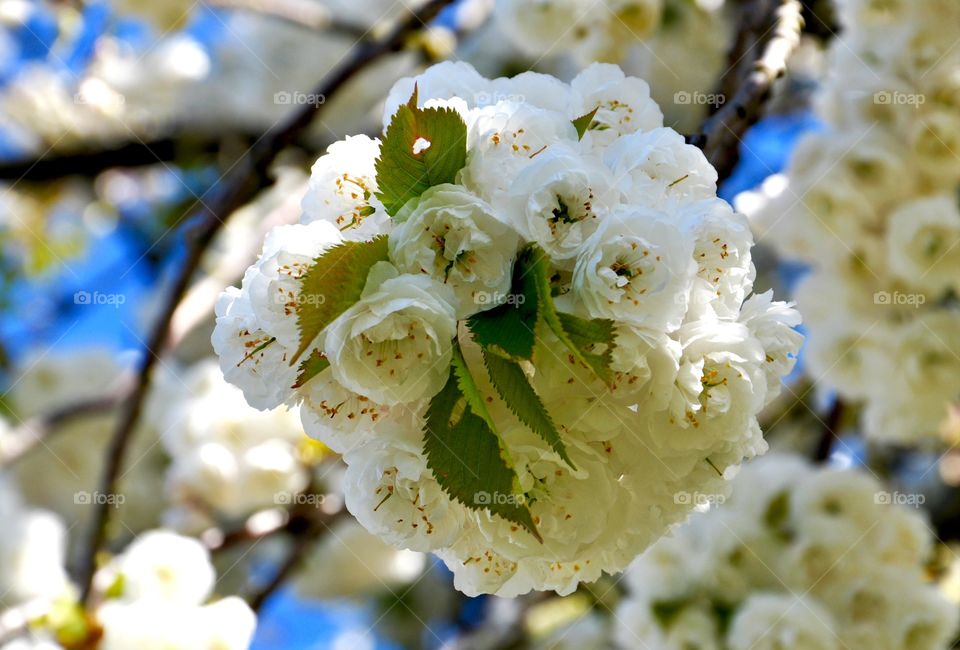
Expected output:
(394, 345)
(773, 324)
(228, 624)
(771, 622)
(655, 165)
(920, 371)
(445, 80)
(251, 358)
(273, 282)
(343, 186)
(624, 103)
(391, 493)
(722, 242)
(559, 200)
(343, 419)
(720, 387)
(923, 244)
(646, 363)
(543, 25)
(505, 138)
(164, 568)
(454, 237)
(636, 268)
(32, 551)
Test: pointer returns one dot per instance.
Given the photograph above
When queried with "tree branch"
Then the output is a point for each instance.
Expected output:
(828, 432)
(241, 186)
(39, 429)
(303, 13)
(721, 133)
(130, 154)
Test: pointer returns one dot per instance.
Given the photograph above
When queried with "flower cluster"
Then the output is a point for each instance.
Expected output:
(797, 557)
(871, 203)
(526, 325)
(157, 593)
(228, 460)
(63, 473)
(678, 46)
(32, 551)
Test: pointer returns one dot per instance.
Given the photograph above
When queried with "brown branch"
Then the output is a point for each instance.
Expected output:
(90, 163)
(828, 432)
(242, 185)
(302, 13)
(721, 133)
(39, 429)
(304, 533)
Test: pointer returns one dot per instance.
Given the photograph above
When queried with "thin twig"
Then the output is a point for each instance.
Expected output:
(828, 432)
(90, 163)
(304, 533)
(36, 430)
(303, 13)
(721, 133)
(241, 186)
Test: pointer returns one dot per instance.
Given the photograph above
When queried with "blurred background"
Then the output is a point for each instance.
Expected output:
(124, 124)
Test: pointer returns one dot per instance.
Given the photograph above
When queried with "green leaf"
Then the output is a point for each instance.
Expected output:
(589, 334)
(520, 397)
(333, 284)
(466, 455)
(402, 173)
(582, 123)
(511, 329)
(311, 367)
(470, 391)
(582, 336)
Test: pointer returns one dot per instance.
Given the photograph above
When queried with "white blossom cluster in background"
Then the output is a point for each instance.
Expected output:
(628, 216)
(678, 46)
(155, 594)
(228, 460)
(62, 472)
(871, 203)
(254, 73)
(798, 557)
(161, 598)
(32, 551)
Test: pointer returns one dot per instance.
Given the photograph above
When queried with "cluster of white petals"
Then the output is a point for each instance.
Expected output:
(32, 551)
(159, 592)
(248, 77)
(797, 557)
(870, 202)
(661, 41)
(629, 218)
(228, 460)
(62, 473)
